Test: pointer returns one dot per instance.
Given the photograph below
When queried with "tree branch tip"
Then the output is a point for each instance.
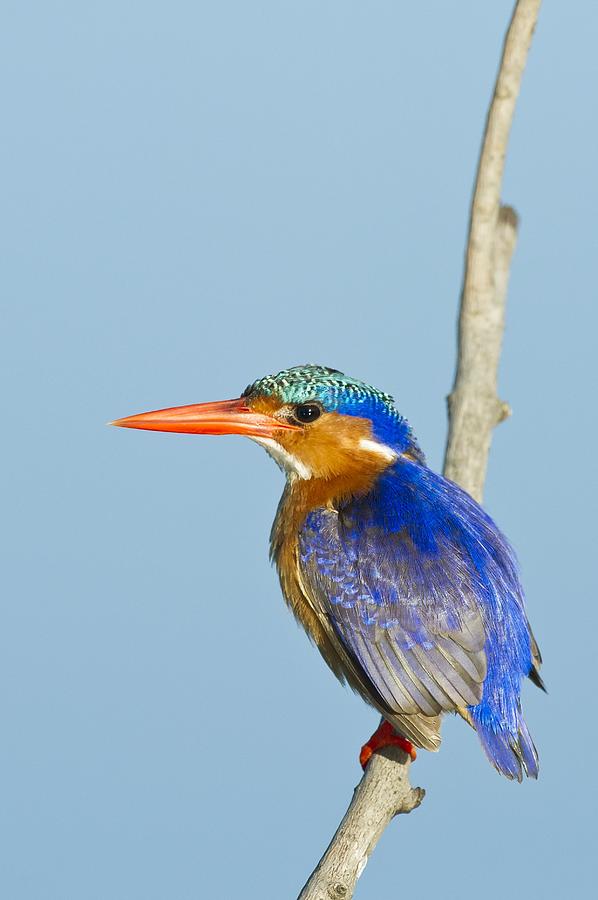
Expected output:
(413, 800)
(508, 215)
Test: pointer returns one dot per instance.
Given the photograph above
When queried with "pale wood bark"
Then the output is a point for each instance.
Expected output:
(474, 411)
(474, 406)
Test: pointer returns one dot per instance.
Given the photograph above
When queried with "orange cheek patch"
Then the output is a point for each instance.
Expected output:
(331, 447)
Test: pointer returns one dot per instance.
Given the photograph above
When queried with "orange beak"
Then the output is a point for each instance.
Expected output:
(222, 417)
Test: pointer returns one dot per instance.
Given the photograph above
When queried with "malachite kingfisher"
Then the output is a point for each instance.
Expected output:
(406, 586)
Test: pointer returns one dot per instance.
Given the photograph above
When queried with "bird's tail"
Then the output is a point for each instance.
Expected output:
(511, 752)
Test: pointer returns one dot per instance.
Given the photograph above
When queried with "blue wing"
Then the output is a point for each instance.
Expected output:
(421, 589)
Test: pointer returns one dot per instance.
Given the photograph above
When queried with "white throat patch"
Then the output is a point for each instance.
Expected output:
(287, 462)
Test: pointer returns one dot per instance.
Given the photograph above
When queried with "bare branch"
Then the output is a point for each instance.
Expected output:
(474, 406)
(474, 411)
(384, 792)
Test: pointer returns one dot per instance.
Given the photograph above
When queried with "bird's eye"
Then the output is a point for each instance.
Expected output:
(307, 412)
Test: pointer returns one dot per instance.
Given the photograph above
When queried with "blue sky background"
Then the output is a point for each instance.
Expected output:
(194, 195)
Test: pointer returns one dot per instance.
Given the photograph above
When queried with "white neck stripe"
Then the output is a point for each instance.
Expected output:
(379, 449)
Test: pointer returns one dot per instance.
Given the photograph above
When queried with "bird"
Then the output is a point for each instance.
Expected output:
(403, 582)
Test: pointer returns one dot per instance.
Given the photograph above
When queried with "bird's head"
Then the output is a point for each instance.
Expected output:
(315, 422)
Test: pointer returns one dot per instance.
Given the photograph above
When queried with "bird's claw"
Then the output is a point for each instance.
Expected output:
(385, 736)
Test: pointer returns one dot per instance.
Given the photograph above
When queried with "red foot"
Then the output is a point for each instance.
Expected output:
(385, 736)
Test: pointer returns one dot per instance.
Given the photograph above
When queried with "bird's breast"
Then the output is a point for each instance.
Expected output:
(297, 501)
